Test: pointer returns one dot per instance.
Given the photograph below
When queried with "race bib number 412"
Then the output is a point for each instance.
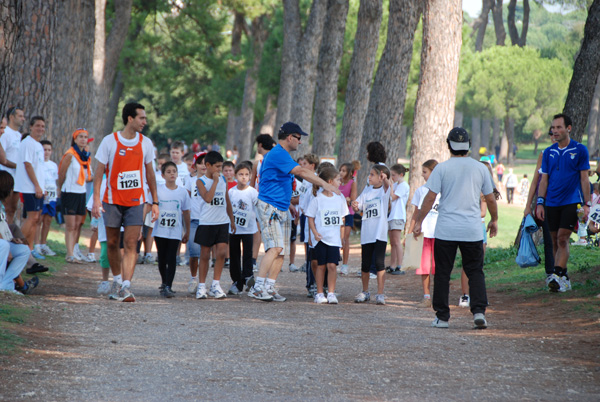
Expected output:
(168, 219)
(129, 180)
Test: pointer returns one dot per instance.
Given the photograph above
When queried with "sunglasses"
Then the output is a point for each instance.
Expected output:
(298, 137)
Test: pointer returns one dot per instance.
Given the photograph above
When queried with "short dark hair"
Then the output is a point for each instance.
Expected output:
(381, 169)
(213, 157)
(45, 142)
(166, 157)
(189, 156)
(12, 110)
(6, 184)
(457, 153)
(376, 152)
(242, 165)
(165, 165)
(398, 169)
(178, 145)
(36, 118)
(228, 163)
(266, 141)
(566, 119)
(131, 109)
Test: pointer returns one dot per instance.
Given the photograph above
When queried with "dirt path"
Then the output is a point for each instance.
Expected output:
(83, 347)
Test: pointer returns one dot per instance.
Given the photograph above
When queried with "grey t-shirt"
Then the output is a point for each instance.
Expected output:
(460, 181)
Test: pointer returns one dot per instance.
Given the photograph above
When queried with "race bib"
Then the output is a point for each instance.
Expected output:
(434, 208)
(372, 209)
(50, 194)
(241, 218)
(331, 218)
(129, 180)
(595, 213)
(168, 219)
(218, 200)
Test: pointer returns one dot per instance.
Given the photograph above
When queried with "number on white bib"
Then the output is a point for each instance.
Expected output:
(372, 208)
(129, 180)
(241, 218)
(168, 219)
(595, 213)
(50, 194)
(331, 218)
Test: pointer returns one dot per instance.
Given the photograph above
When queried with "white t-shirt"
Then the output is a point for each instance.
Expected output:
(329, 213)
(11, 140)
(108, 147)
(30, 151)
(70, 184)
(171, 204)
(305, 193)
(50, 176)
(374, 203)
(214, 212)
(399, 205)
(195, 198)
(243, 202)
(428, 225)
(183, 174)
(461, 181)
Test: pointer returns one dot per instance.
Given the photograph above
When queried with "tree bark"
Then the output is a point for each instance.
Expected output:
(328, 69)
(475, 137)
(232, 128)
(594, 120)
(289, 60)
(306, 78)
(233, 114)
(386, 103)
(485, 134)
(11, 14)
(496, 138)
(259, 34)
(480, 24)
(360, 77)
(112, 108)
(509, 129)
(585, 74)
(458, 118)
(268, 124)
(498, 23)
(442, 39)
(512, 26)
(402, 139)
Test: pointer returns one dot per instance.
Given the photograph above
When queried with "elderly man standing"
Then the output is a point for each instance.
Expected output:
(460, 181)
(276, 177)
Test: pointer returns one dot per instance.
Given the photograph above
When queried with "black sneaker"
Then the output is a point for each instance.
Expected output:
(36, 268)
(389, 270)
(30, 284)
(397, 271)
(168, 293)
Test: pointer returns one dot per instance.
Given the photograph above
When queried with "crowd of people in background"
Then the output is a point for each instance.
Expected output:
(200, 208)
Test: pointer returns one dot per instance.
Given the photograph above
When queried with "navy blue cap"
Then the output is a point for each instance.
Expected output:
(291, 128)
(459, 139)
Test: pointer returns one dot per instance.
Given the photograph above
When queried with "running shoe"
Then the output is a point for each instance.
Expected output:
(372, 276)
(192, 286)
(464, 301)
(553, 282)
(148, 259)
(344, 269)
(312, 291)
(437, 323)
(260, 294)
(46, 250)
(201, 292)
(426, 303)
(565, 284)
(104, 288)
(125, 295)
(320, 298)
(275, 294)
(78, 254)
(114, 290)
(140, 259)
(389, 270)
(294, 268)
(233, 290)
(37, 255)
(397, 271)
(30, 284)
(380, 299)
(303, 267)
(13, 291)
(479, 321)
(217, 292)
(36, 268)
(227, 263)
(362, 297)
(91, 257)
(331, 298)
(249, 283)
(73, 260)
(167, 292)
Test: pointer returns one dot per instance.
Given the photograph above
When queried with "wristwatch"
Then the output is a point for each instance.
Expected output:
(588, 204)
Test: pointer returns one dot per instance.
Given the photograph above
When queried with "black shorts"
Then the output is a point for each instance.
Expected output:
(563, 217)
(326, 254)
(303, 236)
(293, 232)
(209, 235)
(73, 203)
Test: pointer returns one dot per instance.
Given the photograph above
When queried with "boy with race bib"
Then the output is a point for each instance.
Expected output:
(49, 207)
(213, 225)
(193, 247)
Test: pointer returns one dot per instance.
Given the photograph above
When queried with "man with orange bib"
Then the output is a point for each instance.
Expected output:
(126, 158)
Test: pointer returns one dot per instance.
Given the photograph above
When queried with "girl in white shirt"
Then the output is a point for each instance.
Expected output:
(325, 213)
(397, 218)
(374, 202)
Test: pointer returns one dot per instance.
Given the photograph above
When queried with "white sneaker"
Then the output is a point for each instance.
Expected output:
(192, 286)
(217, 292)
(553, 283)
(294, 268)
(257, 292)
(148, 259)
(372, 276)
(254, 268)
(380, 299)
(565, 284)
(320, 298)
(275, 294)
(437, 323)
(362, 297)
(46, 250)
(201, 292)
(479, 321)
(104, 288)
(464, 301)
(344, 269)
(233, 290)
(331, 298)
(78, 254)
(91, 257)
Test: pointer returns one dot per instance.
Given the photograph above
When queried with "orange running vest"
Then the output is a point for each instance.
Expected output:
(125, 184)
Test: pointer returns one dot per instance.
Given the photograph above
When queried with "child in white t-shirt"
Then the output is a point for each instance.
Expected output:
(427, 267)
(193, 248)
(397, 218)
(177, 152)
(325, 213)
(374, 202)
(49, 208)
(172, 226)
(243, 198)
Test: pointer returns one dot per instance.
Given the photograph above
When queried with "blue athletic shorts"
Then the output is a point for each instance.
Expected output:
(31, 203)
(49, 209)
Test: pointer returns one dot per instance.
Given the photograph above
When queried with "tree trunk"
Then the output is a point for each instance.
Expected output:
(475, 137)
(232, 129)
(386, 103)
(402, 142)
(496, 139)
(585, 74)
(233, 114)
(593, 121)
(268, 123)
(485, 134)
(289, 60)
(11, 14)
(498, 23)
(113, 104)
(458, 118)
(504, 146)
(509, 128)
(239, 26)
(328, 68)
(480, 24)
(360, 78)
(442, 39)
(512, 26)
(306, 78)
(259, 36)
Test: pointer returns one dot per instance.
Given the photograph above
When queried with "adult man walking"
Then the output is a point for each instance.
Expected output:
(564, 184)
(126, 157)
(460, 181)
(276, 177)
(10, 141)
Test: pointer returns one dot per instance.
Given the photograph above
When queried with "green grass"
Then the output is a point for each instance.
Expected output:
(9, 316)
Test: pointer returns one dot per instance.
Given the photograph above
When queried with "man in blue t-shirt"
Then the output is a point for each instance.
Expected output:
(564, 184)
(276, 177)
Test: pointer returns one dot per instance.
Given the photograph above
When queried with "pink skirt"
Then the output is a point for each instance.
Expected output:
(427, 261)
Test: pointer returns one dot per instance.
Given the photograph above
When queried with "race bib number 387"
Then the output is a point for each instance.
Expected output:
(129, 180)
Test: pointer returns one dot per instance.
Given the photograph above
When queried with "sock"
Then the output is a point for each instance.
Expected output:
(270, 283)
(254, 261)
(118, 279)
(202, 285)
(557, 270)
(126, 284)
(215, 283)
(259, 282)
(194, 278)
(427, 296)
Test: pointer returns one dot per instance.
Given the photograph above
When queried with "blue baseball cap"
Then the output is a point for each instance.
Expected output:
(291, 128)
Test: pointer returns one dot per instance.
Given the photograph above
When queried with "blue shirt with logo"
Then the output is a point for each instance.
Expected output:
(276, 179)
(563, 167)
